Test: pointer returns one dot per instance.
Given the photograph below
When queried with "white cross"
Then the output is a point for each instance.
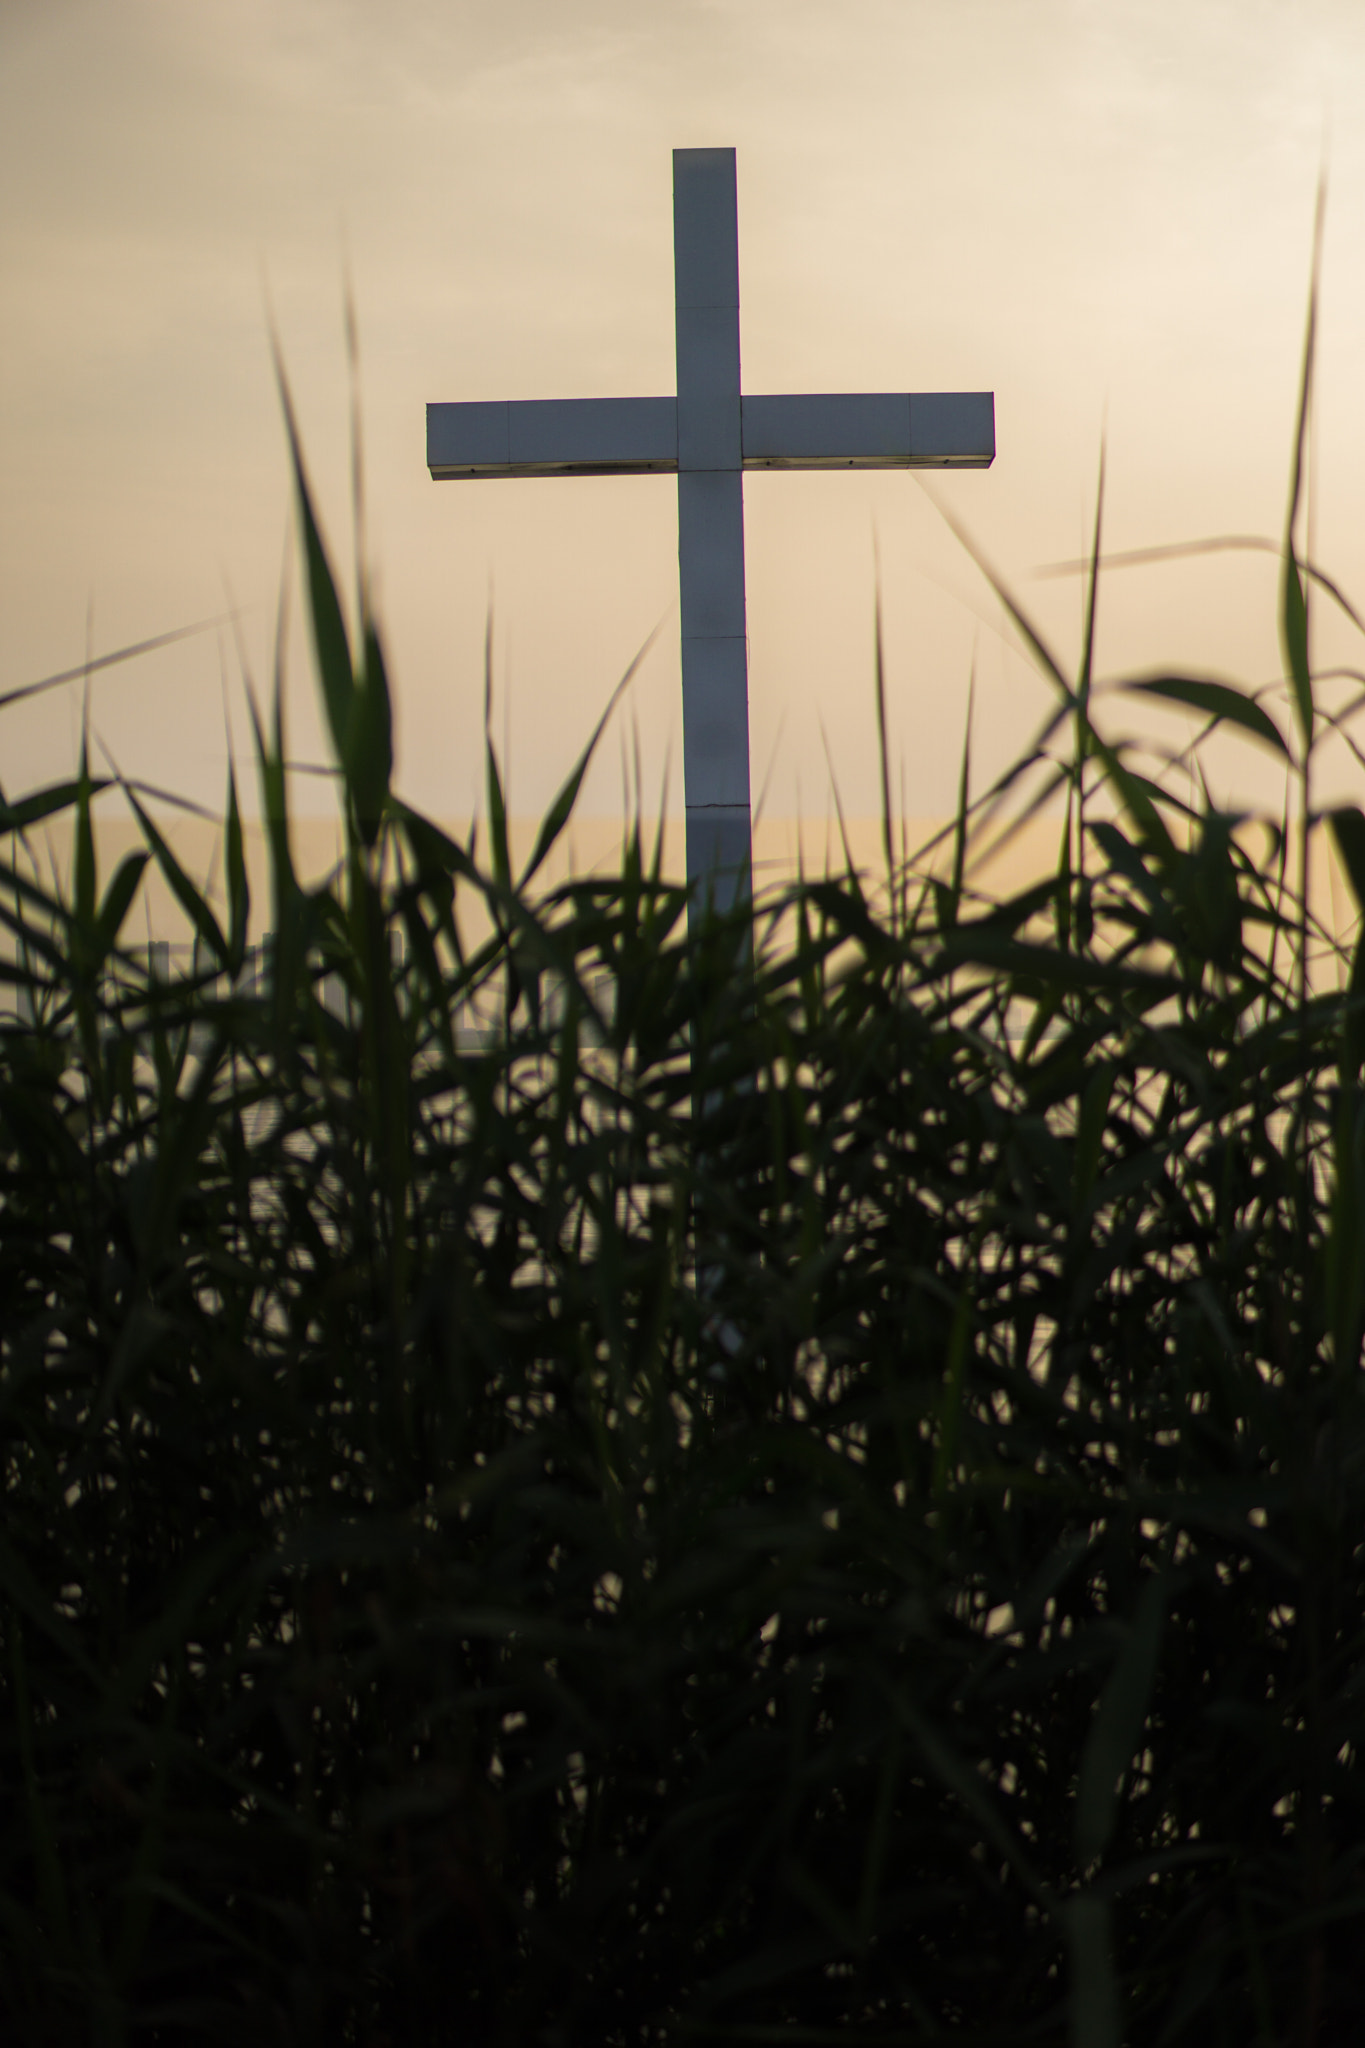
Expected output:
(710, 435)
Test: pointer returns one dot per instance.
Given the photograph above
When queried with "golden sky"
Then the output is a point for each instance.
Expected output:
(1100, 209)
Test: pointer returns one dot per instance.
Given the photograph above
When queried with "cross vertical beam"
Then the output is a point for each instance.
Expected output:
(715, 649)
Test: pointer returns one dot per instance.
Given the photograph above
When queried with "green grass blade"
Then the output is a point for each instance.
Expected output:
(85, 874)
(497, 808)
(275, 801)
(1344, 1269)
(1218, 701)
(561, 810)
(1293, 598)
(951, 1400)
(102, 661)
(966, 1784)
(118, 898)
(1117, 1727)
(331, 642)
(238, 887)
(52, 1890)
(368, 759)
(1347, 825)
(1028, 632)
(190, 899)
(1088, 640)
(883, 742)
(44, 803)
(963, 804)
(1096, 2012)
(1294, 639)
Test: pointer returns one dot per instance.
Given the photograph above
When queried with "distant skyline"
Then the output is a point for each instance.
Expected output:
(1100, 209)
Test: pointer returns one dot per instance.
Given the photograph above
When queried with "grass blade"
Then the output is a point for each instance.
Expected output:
(1218, 701)
(1117, 1726)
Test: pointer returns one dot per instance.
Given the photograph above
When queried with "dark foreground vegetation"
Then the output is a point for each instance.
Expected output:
(747, 1505)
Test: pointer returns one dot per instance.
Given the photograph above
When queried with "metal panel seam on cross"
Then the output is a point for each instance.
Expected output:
(709, 434)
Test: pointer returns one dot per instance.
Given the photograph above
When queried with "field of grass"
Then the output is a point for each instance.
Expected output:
(806, 1481)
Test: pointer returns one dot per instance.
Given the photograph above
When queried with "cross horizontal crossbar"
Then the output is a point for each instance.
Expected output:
(633, 436)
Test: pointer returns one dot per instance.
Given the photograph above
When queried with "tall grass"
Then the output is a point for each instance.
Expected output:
(429, 1616)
